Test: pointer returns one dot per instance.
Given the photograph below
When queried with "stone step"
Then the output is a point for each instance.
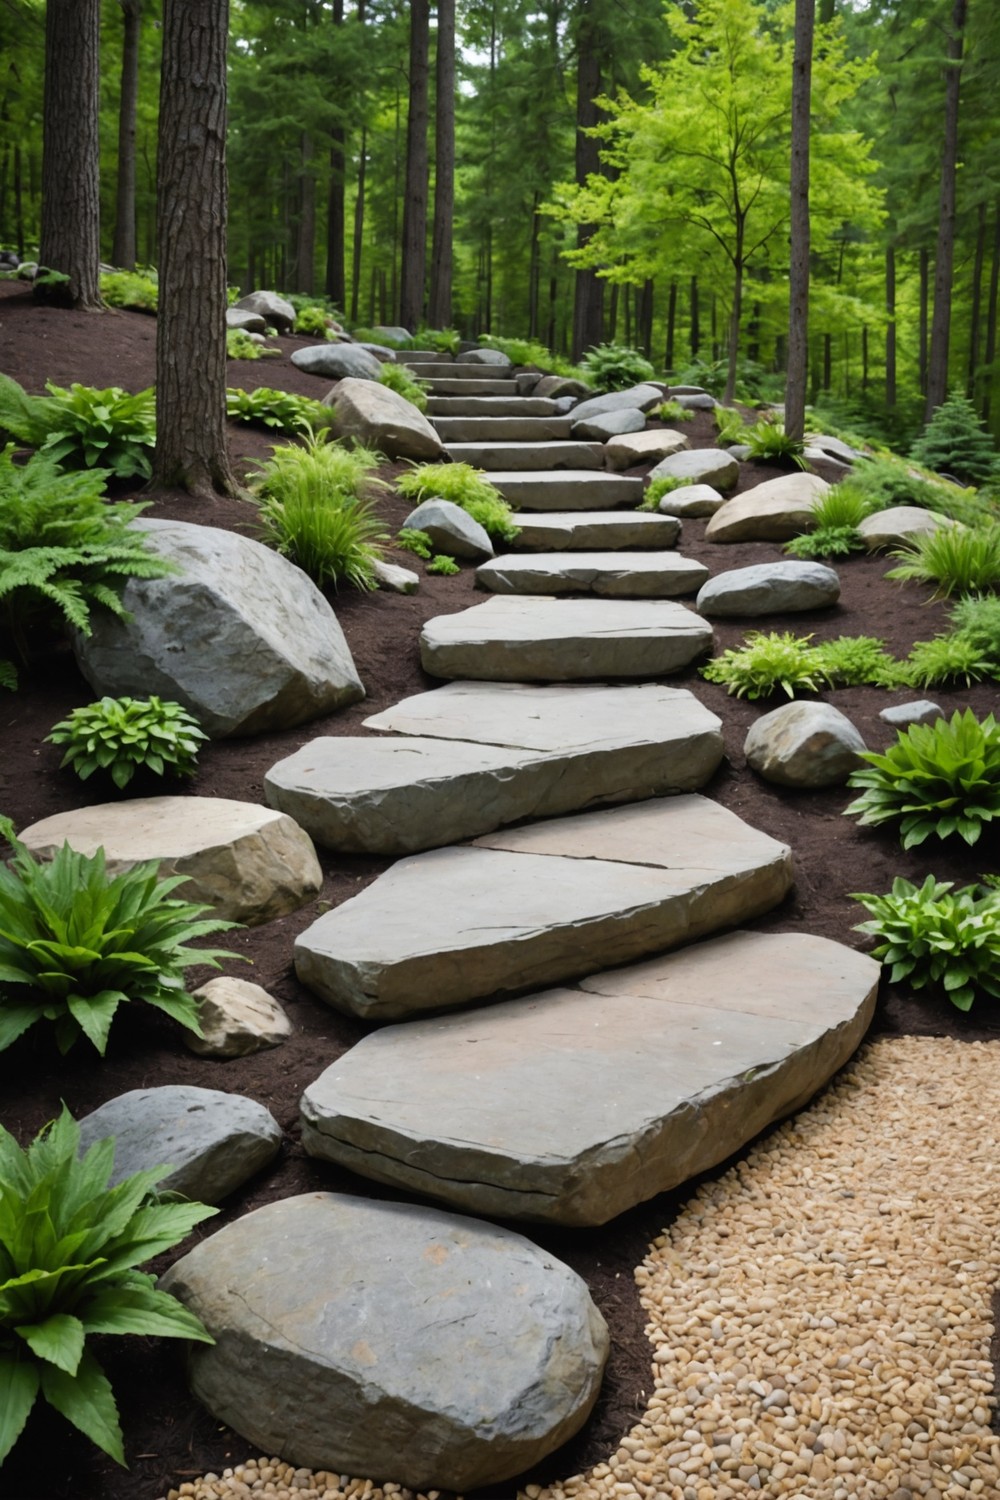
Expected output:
(523, 456)
(540, 904)
(492, 406)
(472, 757)
(423, 357)
(597, 530)
(497, 431)
(574, 1105)
(571, 489)
(473, 385)
(611, 575)
(510, 639)
(456, 369)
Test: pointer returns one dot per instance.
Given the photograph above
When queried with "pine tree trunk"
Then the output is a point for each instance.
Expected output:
(977, 297)
(192, 192)
(937, 369)
(924, 294)
(70, 240)
(305, 238)
(359, 226)
(668, 355)
(989, 354)
(411, 295)
(336, 233)
(798, 282)
(439, 307)
(534, 267)
(123, 250)
(890, 326)
(695, 319)
(588, 291)
(644, 318)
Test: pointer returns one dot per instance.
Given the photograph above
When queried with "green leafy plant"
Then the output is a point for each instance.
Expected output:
(443, 340)
(465, 486)
(76, 943)
(657, 488)
(397, 378)
(729, 425)
(614, 367)
(838, 514)
(767, 661)
(70, 1246)
(769, 442)
(239, 345)
(83, 427)
(938, 779)
(8, 676)
(411, 539)
(673, 411)
(130, 289)
(825, 541)
(279, 410)
(124, 735)
(935, 935)
(976, 617)
(531, 352)
(887, 481)
(947, 658)
(956, 442)
(957, 559)
(442, 563)
(855, 660)
(314, 322)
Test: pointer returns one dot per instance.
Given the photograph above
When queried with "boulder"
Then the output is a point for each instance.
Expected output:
(451, 529)
(212, 1141)
(771, 588)
(337, 361)
(237, 1018)
(394, 578)
(833, 447)
(637, 397)
(395, 335)
(898, 525)
(711, 466)
(276, 312)
(238, 635)
(608, 424)
(804, 745)
(902, 715)
(438, 1350)
(382, 354)
(493, 357)
(559, 385)
(696, 401)
(245, 320)
(382, 419)
(247, 862)
(774, 511)
(642, 447)
(691, 500)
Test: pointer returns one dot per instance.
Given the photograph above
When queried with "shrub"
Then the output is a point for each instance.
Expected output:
(939, 779)
(977, 618)
(854, 660)
(69, 1249)
(530, 352)
(886, 481)
(956, 442)
(239, 345)
(413, 540)
(729, 425)
(124, 735)
(958, 559)
(657, 488)
(8, 675)
(934, 935)
(76, 942)
(398, 378)
(613, 367)
(443, 340)
(945, 659)
(130, 289)
(766, 662)
(673, 411)
(465, 486)
(314, 322)
(279, 410)
(838, 514)
(769, 442)
(825, 541)
(442, 563)
(83, 428)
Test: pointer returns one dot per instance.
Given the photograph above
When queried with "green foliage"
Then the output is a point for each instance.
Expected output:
(531, 352)
(8, 675)
(934, 935)
(63, 549)
(767, 661)
(838, 513)
(938, 779)
(443, 340)
(729, 425)
(130, 289)
(279, 410)
(413, 540)
(239, 345)
(958, 559)
(887, 481)
(465, 486)
(24, 418)
(614, 367)
(769, 442)
(657, 488)
(947, 658)
(673, 411)
(102, 429)
(314, 322)
(856, 660)
(442, 563)
(70, 1246)
(123, 735)
(956, 442)
(76, 942)
(977, 618)
(396, 377)
(314, 511)
(825, 541)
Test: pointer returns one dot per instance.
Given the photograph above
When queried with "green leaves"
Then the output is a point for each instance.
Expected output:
(121, 735)
(465, 486)
(770, 442)
(935, 935)
(278, 410)
(398, 378)
(614, 367)
(107, 429)
(959, 560)
(768, 661)
(938, 779)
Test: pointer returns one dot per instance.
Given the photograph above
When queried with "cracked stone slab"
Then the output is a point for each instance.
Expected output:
(637, 1080)
(595, 531)
(521, 639)
(566, 489)
(539, 905)
(523, 457)
(611, 575)
(492, 754)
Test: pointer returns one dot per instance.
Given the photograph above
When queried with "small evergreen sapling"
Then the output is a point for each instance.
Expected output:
(956, 442)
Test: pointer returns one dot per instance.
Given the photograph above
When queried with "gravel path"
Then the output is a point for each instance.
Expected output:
(820, 1315)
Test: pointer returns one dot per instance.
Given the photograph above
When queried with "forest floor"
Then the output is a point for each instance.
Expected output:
(169, 1437)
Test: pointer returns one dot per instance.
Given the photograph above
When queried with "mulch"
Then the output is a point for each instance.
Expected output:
(169, 1437)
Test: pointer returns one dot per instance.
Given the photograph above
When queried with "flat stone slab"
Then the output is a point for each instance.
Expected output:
(642, 447)
(637, 397)
(774, 511)
(452, 385)
(612, 575)
(595, 531)
(472, 757)
(712, 466)
(526, 457)
(539, 905)
(512, 639)
(771, 588)
(571, 489)
(492, 406)
(514, 429)
(247, 862)
(212, 1141)
(440, 1351)
(573, 1105)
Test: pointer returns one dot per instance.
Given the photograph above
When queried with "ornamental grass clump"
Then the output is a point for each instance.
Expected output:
(837, 515)
(934, 935)
(119, 736)
(938, 779)
(957, 559)
(70, 1246)
(770, 443)
(398, 378)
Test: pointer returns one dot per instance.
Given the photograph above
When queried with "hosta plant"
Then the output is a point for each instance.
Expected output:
(767, 661)
(278, 410)
(70, 1248)
(84, 428)
(76, 942)
(958, 559)
(465, 486)
(934, 935)
(120, 736)
(937, 780)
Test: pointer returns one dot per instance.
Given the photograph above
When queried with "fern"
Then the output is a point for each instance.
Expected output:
(27, 419)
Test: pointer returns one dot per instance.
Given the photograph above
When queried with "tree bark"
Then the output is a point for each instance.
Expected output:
(668, 355)
(359, 226)
(989, 354)
(937, 369)
(890, 326)
(411, 294)
(439, 307)
(305, 238)
(977, 297)
(123, 249)
(924, 294)
(192, 194)
(798, 280)
(644, 318)
(588, 291)
(70, 241)
(695, 319)
(336, 230)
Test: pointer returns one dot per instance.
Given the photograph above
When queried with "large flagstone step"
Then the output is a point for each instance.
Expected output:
(495, 431)
(574, 1105)
(569, 489)
(493, 406)
(456, 369)
(472, 757)
(594, 531)
(519, 457)
(471, 385)
(518, 639)
(539, 905)
(611, 575)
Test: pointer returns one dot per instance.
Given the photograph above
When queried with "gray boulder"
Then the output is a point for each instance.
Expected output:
(559, 385)
(239, 636)
(439, 1350)
(804, 745)
(772, 588)
(486, 357)
(395, 579)
(691, 500)
(382, 354)
(773, 511)
(276, 312)
(640, 397)
(386, 331)
(451, 529)
(237, 1018)
(898, 525)
(382, 419)
(212, 1141)
(337, 361)
(696, 401)
(902, 715)
(638, 447)
(245, 320)
(711, 466)
(609, 424)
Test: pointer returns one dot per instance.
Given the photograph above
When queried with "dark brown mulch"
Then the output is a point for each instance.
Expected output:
(169, 1437)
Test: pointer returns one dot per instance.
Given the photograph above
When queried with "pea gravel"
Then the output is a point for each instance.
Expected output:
(820, 1315)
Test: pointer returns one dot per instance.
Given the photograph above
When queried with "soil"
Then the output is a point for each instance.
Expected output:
(169, 1437)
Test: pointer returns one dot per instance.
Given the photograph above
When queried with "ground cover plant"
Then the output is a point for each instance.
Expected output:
(117, 737)
(239, 345)
(531, 352)
(279, 410)
(837, 515)
(82, 427)
(664, 484)
(398, 378)
(956, 559)
(934, 935)
(614, 367)
(767, 661)
(131, 289)
(769, 441)
(465, 486)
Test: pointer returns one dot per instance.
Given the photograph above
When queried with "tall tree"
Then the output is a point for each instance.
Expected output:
(588, 291)
(798, 282)
(937, 366)
(411, 294)
(439, 305)
(123, 251)
(192, 192)
(70, 241)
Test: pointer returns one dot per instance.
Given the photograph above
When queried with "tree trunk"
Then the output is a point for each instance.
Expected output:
(123, 250)
(798, 280)
(18, 201)
(588, 290)
(336, 233)
(922, 331)
(890, 326)
(439, 308)
(70, 242)
(977, 297)
(411, 295)
(644, 318)
(534, 267)
(695, 319)
(991, 314)
(359, 227)
(668, 355)
(192, 193)
(611, 320)
(729, 395)
(937, 369)
(305, 239)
